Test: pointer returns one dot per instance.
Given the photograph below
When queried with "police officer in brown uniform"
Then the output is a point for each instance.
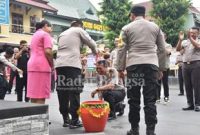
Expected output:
(68, 67)
(141, 39)
(191, 67)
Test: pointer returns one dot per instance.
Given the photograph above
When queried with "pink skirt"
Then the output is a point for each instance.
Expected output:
(39, 85)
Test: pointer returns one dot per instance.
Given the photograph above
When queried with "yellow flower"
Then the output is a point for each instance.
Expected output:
(105, 109)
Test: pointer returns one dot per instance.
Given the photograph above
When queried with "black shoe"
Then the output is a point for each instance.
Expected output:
(188, 108)
(66, 121)
(133, 132)
(121, 112)
(150, 130)
(112, 117)
(150, 133)
(197, 109)
(75, 124)
(180, 94)
(9, 92)
(166, 99)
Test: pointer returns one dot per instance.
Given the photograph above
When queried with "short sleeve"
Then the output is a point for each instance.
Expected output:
(47, 41)
(184, 43)
(114, 77)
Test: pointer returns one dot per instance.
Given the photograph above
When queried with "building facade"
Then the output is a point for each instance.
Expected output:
(70, 10)
(23, 15)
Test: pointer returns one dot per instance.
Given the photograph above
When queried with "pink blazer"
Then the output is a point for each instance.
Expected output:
(38, 61)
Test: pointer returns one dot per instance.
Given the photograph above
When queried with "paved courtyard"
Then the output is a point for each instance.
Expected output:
(171, 119)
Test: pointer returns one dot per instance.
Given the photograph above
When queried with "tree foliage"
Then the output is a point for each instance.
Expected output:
(170, 16)
(114, 15)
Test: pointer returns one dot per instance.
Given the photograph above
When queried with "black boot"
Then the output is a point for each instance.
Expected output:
(121, 111)
(151, 133)
(150, 130)
(112, 116)
(66, 121)
(134, 131)
(75, 124)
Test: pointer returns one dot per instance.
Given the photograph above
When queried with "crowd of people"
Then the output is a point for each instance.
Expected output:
(140, 59)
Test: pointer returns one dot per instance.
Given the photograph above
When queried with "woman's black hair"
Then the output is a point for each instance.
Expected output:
(41, 24)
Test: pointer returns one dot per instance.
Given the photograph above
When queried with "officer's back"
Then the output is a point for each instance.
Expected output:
(141, 39)
(69, 45)
(142, 42)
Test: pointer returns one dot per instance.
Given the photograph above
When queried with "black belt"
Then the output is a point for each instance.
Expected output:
(191, 62)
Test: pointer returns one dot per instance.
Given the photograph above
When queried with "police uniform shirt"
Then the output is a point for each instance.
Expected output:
(70, 43)
(168, 46)
(179, 60)
(190, 52)
(111, 77)
(141, 39)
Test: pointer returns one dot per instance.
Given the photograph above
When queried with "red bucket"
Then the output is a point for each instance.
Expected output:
(94, 115)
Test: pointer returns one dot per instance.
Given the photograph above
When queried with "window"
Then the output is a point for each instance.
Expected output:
(32, 24)
(17, 23)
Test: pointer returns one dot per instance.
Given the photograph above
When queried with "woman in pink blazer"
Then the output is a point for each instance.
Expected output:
(40, 64)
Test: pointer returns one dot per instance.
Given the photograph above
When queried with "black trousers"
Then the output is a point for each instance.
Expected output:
(191, 75)
(21, 84)
(69, 87)
(12, 76)
(113, 97)
(180, 79)
(69, 103)
(3, 87)
(164, 80)
(145, 76)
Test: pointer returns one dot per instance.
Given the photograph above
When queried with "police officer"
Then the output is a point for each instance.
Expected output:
(140, 39)
(164, 80)
(68, 67)
(108, 86)
(4, 62)
(179, 62)
(191, 67)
